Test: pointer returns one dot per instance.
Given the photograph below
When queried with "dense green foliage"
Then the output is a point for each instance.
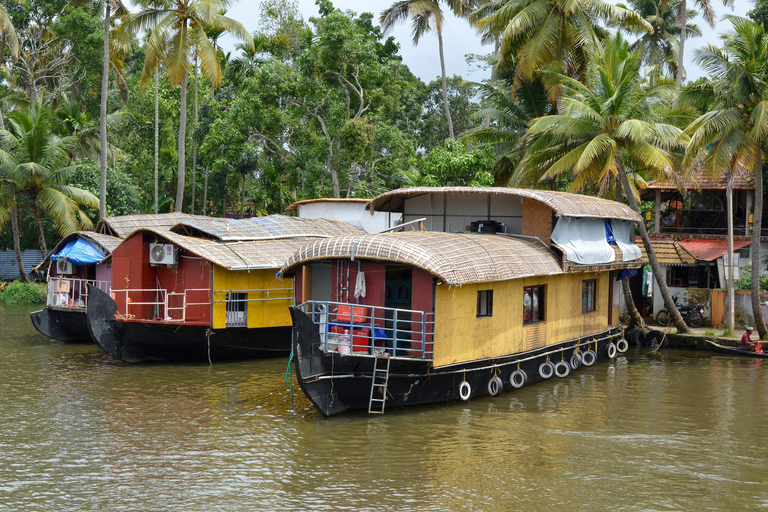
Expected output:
(23, 293)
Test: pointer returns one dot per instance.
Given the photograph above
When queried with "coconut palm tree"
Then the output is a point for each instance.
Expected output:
(426, 15)
(179, 32)
(601, 127)
(704, 7)
(658, 49)
(8, 35)
(544, 33)
(36, 162)
(735, 132)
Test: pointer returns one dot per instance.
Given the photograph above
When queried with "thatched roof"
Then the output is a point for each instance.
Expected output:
(564, 204)
(295, 206)
(105, 243)
(454, 258)
(668, 252)
(237, 255)
(124, 225)
(263, 228)
(700, 179)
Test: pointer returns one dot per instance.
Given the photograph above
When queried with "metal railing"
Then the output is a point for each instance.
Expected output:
(67, 292)
(237, 302)
(362, 329)
(167, 306)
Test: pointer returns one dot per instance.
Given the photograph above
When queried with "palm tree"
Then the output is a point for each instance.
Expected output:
(658, 49)
(705, 8)
(425, 15)
(8, 35)
(603, 125)
(178, 33)
(248, 61)
(543, 33)
(733, 135)
(36, 162)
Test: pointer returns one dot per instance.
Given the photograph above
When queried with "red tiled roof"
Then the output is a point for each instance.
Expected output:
(710, 250)
(742, 180)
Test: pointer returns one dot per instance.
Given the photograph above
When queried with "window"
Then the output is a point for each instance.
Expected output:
(484, 303)
(236, 309)
(533, 304)
(588, 295)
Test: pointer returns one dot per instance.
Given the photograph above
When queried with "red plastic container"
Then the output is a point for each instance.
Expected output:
(361, 339)
(358, 314)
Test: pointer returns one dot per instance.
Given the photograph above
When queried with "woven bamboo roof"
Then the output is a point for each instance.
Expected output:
(295, 206)
(564, 204)
(454, 258)
(105, 243)
(124, 225)
(263, 228)
(236, 255)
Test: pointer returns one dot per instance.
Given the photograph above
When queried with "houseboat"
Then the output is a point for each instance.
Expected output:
(205, 290)
(502, 287)
(77, 261)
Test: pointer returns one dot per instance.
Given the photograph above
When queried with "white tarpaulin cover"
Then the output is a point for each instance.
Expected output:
(583, 240)
(624, 235)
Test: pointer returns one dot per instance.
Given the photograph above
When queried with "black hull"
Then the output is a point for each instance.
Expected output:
(734, 351)
(139, 342)
(68, 325)
(337, 383)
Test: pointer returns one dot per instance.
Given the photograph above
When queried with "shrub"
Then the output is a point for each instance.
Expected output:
(744, 283)
(23, 293)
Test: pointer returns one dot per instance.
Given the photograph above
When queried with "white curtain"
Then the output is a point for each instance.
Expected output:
(583, 240)
(624, 234)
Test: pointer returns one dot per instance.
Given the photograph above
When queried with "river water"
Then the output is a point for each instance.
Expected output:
(79, 431)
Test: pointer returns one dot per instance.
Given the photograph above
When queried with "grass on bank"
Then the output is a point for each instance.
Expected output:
(23, 293)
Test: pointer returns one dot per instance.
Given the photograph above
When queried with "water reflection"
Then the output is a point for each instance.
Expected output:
(663, 431)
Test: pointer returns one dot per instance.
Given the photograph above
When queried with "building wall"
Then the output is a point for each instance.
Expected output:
(461, 336)
(272, 313)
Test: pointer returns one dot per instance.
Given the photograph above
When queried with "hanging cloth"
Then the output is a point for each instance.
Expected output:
(360, 285)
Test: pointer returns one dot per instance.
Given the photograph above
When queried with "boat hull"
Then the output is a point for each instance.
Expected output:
(150, 341)
(734, 351)
(336, 383)
(69, 325)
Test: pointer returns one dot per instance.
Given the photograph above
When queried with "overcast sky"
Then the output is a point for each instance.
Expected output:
(459, 39)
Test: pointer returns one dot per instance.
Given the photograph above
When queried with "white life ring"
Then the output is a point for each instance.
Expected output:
(465, 390)
(575, 361)
(588, 358)
(518, 379)
(495, 385)
(546, 370)
(622, 345)
(611, 350)
(562, 369)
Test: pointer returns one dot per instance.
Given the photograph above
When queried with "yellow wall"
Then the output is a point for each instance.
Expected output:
(260, 314)
(461, 336)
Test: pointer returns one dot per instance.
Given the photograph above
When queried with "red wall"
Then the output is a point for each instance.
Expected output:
(131, 269)
(421, 300)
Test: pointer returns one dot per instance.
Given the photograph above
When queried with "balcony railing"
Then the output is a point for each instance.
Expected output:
(73, 293)
(704, 222)
(361, 329)
(166, 306)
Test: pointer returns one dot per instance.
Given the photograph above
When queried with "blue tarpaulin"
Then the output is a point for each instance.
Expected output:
(80, 252)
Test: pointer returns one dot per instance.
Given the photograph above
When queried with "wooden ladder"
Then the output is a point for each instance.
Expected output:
(379, 385)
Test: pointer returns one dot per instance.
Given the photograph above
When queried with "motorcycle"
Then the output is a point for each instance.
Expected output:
(693, 314)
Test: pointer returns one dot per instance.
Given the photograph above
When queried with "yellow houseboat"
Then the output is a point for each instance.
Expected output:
(525, 291)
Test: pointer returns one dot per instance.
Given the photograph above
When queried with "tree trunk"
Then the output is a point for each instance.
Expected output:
(242, 199)
(103, 117)
(731, 298)
(683, 20)
(194, 147)
(661, 279)
(445, 83)
(757, 227)
(17, 244)
(182, 142)
(157, 125)
(205, 191)
(334, 178)
(634, 315)
(39, 226)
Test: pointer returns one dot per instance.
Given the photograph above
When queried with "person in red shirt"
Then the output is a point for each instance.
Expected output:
(748, 344)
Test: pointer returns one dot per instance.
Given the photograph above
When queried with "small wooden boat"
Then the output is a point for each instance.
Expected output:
(734, 351)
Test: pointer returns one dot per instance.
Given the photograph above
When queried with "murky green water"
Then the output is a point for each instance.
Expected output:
(79, 431)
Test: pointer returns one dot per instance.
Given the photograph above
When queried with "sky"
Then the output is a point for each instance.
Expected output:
(459, 39)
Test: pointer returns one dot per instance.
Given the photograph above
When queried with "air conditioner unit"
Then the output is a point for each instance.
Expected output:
(64, 267)
(162, 254)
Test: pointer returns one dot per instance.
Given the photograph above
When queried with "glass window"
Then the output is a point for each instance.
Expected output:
(533, 304)
(588, 295)
(485, 303)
